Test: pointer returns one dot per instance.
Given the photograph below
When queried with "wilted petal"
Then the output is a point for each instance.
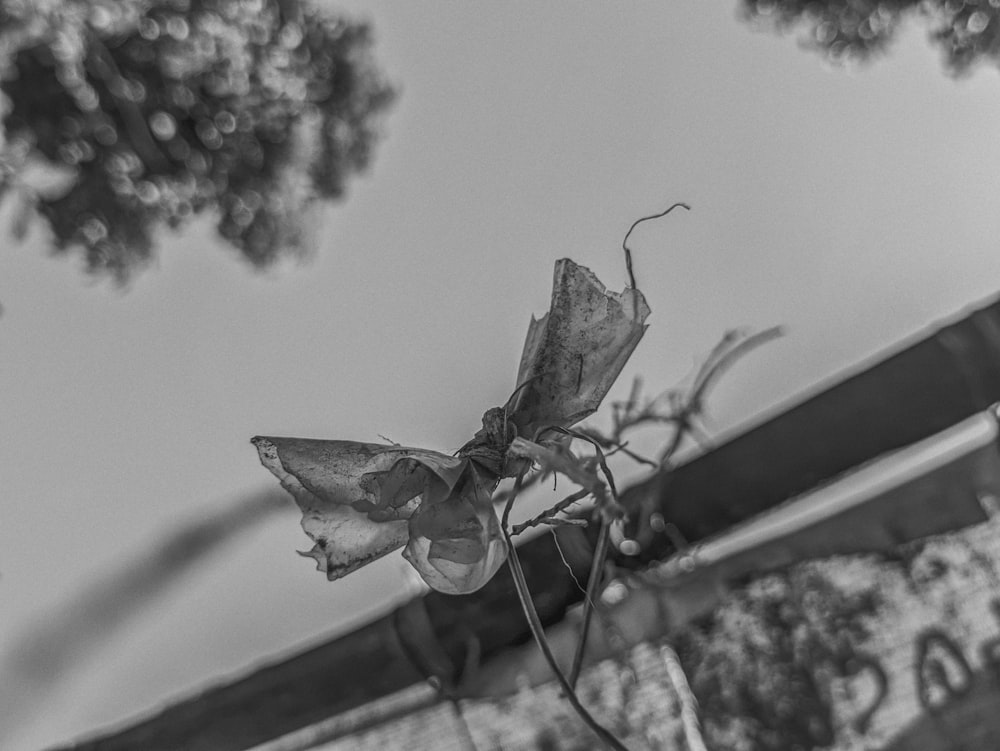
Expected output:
(574, 353)
(356, 497)
(455, 540)
(346, 539)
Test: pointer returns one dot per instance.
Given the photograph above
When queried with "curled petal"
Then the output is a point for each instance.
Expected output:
(356, 498)
(455, 540)
(346, 540)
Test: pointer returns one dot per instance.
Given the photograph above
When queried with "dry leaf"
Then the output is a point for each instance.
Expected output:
(574, 353)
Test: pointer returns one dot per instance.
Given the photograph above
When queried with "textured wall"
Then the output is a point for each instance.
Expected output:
(851, 652)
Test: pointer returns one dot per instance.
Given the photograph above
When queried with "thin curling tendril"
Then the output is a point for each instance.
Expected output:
(636, 223)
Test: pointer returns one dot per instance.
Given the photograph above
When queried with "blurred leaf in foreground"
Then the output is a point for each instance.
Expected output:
(48, 651)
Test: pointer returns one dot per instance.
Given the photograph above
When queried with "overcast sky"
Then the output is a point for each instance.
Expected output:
(855, 207)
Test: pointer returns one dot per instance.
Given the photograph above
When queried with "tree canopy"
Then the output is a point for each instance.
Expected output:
(154, 111)
(967, 31)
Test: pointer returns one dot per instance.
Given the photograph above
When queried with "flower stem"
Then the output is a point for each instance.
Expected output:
(589, 601)
(537, 630)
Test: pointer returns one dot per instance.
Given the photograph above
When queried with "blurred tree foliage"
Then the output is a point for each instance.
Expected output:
(967, 31)
(153, 111)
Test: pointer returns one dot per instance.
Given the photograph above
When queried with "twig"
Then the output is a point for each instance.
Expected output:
(721, 358)
(724, 355)
(600, 552)
(680, 433)
(518, 484)
(597, 564)
(589, 601)
(684, 408)
(561, 521)
(547, 515)
(615, 447)
(676, 537)
(599, 454)
(638, 458)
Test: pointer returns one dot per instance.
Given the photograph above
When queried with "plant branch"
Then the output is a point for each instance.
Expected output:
(590, 600)
(683, 407)
(547, 516)
(614, 447)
